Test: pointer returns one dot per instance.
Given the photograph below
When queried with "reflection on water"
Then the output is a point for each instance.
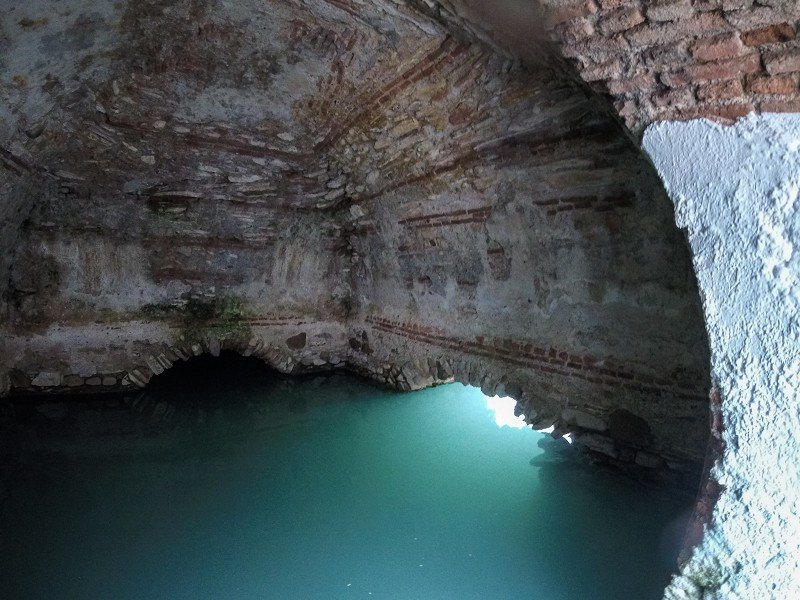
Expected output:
(239, 485)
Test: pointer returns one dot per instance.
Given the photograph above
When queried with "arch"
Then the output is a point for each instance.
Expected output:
(162, 358)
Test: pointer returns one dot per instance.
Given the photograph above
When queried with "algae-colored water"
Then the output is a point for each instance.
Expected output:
(315, 488)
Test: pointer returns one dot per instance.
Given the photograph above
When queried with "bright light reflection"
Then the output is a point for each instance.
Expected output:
(552, 428)
(503, 408)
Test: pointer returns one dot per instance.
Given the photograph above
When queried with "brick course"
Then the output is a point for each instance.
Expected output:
(718, 54)
(543, 359)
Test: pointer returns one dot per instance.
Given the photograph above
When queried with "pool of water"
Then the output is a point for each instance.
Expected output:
(314, 488)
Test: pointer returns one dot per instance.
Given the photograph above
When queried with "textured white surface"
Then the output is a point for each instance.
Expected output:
(736, 193)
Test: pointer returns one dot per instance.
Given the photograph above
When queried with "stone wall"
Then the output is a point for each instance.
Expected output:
(515, 239)
(166, 184)
(397, 194)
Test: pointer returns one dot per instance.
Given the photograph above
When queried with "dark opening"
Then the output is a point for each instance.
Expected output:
(229, 375)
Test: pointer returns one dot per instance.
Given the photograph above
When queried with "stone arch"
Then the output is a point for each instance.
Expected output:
(161, 358)
(525, 373)
(285, 357)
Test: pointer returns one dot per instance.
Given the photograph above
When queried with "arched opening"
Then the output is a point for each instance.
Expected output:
(228, 375)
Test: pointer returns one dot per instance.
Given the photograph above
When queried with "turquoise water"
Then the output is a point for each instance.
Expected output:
(316, 488)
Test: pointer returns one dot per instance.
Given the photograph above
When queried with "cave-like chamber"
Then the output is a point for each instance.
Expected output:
(319, 187)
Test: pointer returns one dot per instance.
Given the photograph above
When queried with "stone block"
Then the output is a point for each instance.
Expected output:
(621, 20)
(776, 85)
(297, 342)
(727, 45)
(783, 60)
(47, 379)
(723, 90)
(771, 34)
(583, 420)
(599, 443)
(669, 10)
(73, 380)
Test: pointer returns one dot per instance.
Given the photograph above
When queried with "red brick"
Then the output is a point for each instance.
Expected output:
(644, 81)
(669, 10)
(725, 69)
(781, 106)
(701, 24)
(778, 85)
(781, 32)
(675, 79)
(670, 55)
(620, 20)
(678, 97)
(726, 113)
(724, 90)
(567, 12)
(598, 48)
(757, 16)
(786, 61)
(722, 46)
(608, 70)
(729, 112)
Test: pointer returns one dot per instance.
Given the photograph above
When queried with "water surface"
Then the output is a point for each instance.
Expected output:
(314, 488)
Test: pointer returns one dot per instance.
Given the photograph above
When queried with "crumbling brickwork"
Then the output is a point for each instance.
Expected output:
(683, 59)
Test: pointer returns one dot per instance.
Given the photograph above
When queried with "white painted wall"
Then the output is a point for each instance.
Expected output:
(736, 192)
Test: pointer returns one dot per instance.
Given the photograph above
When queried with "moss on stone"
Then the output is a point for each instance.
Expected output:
(223, 318)
(199, 320)
(709, 577)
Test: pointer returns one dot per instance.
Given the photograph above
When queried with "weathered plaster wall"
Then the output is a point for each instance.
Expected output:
(737, 193)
